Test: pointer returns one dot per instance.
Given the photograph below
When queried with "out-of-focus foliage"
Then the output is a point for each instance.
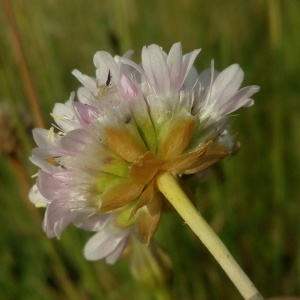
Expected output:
(252, 200)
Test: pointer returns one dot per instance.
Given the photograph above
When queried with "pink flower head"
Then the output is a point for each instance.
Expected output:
(132, 122)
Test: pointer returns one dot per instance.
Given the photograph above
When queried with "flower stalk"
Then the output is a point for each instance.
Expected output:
(169, 186)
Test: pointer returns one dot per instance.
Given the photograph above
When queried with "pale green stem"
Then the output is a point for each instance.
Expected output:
(169, 186)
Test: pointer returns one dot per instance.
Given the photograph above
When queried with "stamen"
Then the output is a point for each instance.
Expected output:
(57, 117)
(51, 134)
(63, 161)
(104, 89)
(108, 78)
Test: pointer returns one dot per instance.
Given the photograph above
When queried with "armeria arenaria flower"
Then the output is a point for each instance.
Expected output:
(131, 124)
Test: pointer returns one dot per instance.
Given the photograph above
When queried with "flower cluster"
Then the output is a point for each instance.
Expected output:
(132, 122)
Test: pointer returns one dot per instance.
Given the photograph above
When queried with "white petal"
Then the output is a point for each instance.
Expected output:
(208, 76)
(191, 81)
(124, 68)
(88, 82)
(106, 64)
(113, 257)
(85, 96)
(36, 197)
(64, 117)
(103, 244)
(132, 64)
(91, 222)
(43, 139)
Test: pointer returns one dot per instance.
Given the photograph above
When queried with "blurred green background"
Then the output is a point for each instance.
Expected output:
(252, 200)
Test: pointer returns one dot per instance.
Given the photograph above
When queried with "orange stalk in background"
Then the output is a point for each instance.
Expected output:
(23, 66)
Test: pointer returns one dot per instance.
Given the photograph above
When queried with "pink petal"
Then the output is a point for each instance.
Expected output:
(50, 185)
(57, 217)
(187, 64)
(174, 61)
(75, 141)
(87, 113)
(156, 69)
(44, 165)
(42, 138)
(49, 144)
(129, 89)
(226, 84)
(240, 99)
(47, 152)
